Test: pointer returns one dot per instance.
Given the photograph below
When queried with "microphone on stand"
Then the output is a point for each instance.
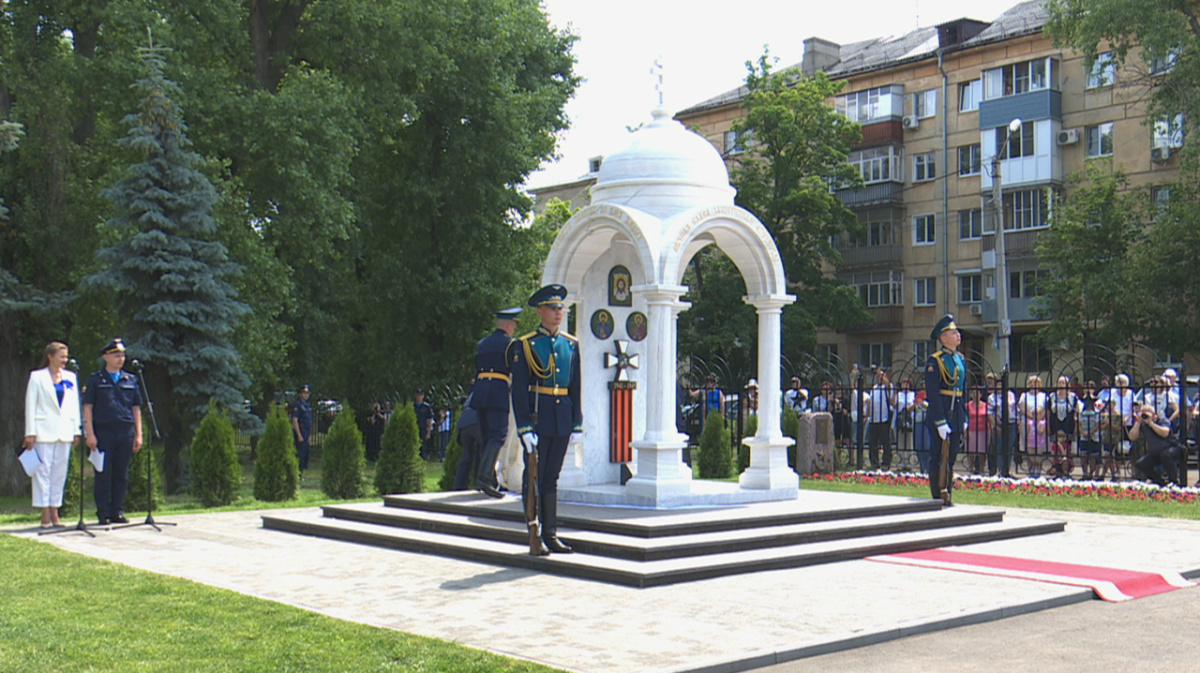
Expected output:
(135, 366)
(73, 365)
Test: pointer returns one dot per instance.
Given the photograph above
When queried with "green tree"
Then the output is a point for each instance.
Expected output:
(276, 472)
(400, 468)
(214, 470)
(343, 458)
(1166, 262)
(169, 273)
(716, 459)
(1089, 291)
(797, 147)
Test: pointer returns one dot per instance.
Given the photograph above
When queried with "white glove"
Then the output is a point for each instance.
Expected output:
(576, 437)
(943, 430)
(530, 440)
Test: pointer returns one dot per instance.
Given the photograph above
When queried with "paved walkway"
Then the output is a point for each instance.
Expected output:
(724, 624)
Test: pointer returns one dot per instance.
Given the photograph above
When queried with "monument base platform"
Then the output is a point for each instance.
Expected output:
(699, 494)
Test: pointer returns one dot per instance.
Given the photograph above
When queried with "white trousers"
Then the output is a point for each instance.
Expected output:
(51, 476)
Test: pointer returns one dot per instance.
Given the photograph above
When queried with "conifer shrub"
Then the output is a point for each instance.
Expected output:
(344, 458)
(79, 453)
(276, 472)
(450, 465)
(716, 459)
(400, 468)
(743, 455)
(215, 472)
(789, 424)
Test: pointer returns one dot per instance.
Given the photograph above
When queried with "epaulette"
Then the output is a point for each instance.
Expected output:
(527, 337)
(569, 336)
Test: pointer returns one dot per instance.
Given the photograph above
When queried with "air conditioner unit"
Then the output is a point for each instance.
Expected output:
(910, 122)
(1160, 154)
(976, 309)
(1068, 136)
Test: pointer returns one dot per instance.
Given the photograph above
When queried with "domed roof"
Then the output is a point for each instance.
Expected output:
(664, 169)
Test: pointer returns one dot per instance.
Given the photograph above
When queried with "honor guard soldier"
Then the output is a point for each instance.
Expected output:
(546, 401)
(490, 397)
(945, 385)
(112, 424)
(301, 414)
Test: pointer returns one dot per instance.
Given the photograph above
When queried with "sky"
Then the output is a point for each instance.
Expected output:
(704, 52)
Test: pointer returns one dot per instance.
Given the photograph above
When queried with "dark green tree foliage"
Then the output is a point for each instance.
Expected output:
(169, 274)
(276, 472)
(343, 458)
(789, 424)
(1090, 291)
(716, 460)
(1167, 264)
(400, 468)
(743, 452)
(454, 453)
(137, 498)
(215, 473)
(79, 453)
(799, 146)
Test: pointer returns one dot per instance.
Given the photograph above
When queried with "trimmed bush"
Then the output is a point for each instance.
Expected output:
(716, 459)
(789, 423)
(400, 468)
(276, 472)
(743, 454)
(344, 459)
(214, 469)
(450, 465)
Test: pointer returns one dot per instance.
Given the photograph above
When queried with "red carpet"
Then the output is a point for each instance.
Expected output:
(1111, 584)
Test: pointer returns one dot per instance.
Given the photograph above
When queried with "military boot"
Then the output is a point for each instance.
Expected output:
(550, 525)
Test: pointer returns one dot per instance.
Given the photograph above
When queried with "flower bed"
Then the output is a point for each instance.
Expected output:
(1041, 486)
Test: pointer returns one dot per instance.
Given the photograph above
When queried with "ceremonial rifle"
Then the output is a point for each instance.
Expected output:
(945, 471)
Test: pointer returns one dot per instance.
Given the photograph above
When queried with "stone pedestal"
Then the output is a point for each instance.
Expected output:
(661, 474)
(814, 446)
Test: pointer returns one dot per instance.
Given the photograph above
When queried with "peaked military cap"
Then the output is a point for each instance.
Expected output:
(305, 389)
(551, 295)
(508, 313)
(947, 322)
(114, 346)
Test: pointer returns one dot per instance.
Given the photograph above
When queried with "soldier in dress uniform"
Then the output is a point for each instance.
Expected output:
(490, 397)
(545, 388)
(112, 424)
(945, 385)
(302, 421)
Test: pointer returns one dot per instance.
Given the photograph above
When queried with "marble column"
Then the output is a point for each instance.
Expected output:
(769, 467)
(660, 467)
(572, 474)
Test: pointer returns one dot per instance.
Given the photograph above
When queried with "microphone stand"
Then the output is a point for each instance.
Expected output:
(81, 526)
(137, 368)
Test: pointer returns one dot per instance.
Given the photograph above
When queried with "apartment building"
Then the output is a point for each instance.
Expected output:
(936, 106)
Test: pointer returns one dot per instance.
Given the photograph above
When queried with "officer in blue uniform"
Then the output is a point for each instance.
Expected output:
(545, 388)
(945, 387)
(112, 424)
(490, 397)
(301, 414)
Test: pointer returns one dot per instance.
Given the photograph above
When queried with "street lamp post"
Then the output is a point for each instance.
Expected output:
(1003, 323)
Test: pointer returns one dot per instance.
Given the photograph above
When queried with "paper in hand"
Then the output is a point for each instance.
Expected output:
(96, 458)
(29, 461)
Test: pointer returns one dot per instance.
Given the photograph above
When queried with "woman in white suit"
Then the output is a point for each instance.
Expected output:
(51, 427)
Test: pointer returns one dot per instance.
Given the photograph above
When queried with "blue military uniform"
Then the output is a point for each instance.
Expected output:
(302, 413)
(113, 398)
(546, 401)
(470, 438)
(945, 388)
(491, 399)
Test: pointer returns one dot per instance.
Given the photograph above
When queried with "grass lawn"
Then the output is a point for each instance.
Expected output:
(66, 612)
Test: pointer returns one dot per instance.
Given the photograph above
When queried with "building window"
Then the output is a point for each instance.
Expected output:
(925, 104)
(1099, 140)
(970, 288)
(827, 354)
(1024, 284)
(924, 166)
(969, 95)
(1160, 201)
(1029, 355)
(925, 292)
(879, 103)
(923, 349)
(1020, 144)
(970, 159)
(879, 288)
(874, 355)
(1165, 64)
(736, 143)
(878, 164)
(1018, 78)
(924, 229)
(1168, 132)
(1102, 71)
(1026, 209)
(970, 224)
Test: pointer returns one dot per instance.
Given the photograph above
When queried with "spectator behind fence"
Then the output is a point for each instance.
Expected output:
(373, 431)
(1089, 431)
(1000, 453)
(920, 436)
(906, 402)
(1032, 404)
(977, 430)
(1064, 409)
(1161, 450)
(879, 433)
(796, 397)
(1112, 438)
(1123, 396)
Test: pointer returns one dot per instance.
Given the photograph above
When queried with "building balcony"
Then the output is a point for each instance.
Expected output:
(877, 194)
(1019, 310)
(872, 256)
(878, 133)
(1018, 244)
(1028, 106)
(886, 318)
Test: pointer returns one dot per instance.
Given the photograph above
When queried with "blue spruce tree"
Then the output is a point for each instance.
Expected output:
(169, 273)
